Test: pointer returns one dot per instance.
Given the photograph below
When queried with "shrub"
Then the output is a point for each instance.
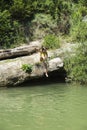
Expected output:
(79, 33)
(78, 26)
(42, 25)
(76, 66)
(9, 30)
(6, 30)
(51, 42)
(27, 68)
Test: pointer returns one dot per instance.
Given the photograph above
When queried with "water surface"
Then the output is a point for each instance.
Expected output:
(44, 107)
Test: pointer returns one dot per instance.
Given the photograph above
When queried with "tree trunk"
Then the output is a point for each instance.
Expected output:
(20, 51)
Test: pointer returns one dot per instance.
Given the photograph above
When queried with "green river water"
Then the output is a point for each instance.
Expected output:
(44, 107)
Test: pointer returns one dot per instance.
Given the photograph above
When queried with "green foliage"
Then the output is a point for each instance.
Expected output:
(5, 4)
(25, 20)
(82, 2)
(21, 10)
(78, 27)
(7, 29)
(80, 32)
(27, 68)
(76, 66)
(42, 19)
(51, 42)
(62, 12)
(42, 25)
(11, 32)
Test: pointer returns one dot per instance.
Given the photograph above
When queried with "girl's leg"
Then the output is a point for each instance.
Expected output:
(46, 71)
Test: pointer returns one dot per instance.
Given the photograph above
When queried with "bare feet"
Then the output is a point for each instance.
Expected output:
(46, 75)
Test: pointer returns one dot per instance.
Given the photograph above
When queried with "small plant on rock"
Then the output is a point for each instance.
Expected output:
(27, 68)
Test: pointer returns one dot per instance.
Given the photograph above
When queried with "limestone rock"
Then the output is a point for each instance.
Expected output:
(11, 72)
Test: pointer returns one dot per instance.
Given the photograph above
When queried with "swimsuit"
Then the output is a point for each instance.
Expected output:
(43, 56)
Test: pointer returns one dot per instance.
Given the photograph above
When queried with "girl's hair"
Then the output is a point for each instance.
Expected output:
(43, 48)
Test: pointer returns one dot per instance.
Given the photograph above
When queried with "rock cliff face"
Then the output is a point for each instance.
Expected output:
(12, 74)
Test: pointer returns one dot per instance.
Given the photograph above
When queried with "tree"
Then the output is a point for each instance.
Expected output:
(7, 30)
